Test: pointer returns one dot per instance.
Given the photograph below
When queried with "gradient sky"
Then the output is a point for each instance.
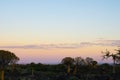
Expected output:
(48, 30)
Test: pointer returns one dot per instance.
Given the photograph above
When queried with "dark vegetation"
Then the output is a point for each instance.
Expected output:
(69, 68)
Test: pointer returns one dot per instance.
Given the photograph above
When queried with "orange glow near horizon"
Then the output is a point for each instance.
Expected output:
(56, 55)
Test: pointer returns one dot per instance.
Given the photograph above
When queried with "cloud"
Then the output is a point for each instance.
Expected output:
(108, 42)
(67, 45)
(44, 46)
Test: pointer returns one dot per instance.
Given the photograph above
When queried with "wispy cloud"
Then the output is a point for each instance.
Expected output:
(108, 42)
(67, 45)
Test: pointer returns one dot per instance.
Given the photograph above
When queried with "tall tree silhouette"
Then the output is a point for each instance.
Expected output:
(115, 57)
(68, 61)
(6, 58)
(118, 55)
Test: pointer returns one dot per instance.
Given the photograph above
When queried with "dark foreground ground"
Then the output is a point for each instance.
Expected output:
(59, 72)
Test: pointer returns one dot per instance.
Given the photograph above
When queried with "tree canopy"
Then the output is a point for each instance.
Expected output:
(67, 60)
(6, 58)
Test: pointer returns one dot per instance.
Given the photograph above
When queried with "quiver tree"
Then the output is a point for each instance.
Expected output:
(32, 68)
(79, 61)
(115, 57)
(68, 61)
(91, 63)
(118, 55)
(6, 58)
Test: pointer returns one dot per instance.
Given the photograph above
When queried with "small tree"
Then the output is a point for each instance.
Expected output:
(91, 63)
(6, 58)
(79, 61)
(32, 68)
(68, 61)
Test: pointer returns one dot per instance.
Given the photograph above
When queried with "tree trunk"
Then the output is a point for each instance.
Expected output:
(75, 70)
(2, 75)
(68, 69)
(32, 72)
(13, 67)
(87, 76)
(113, 66)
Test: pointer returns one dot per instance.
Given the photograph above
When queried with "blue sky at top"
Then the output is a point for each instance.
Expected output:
(59, 20)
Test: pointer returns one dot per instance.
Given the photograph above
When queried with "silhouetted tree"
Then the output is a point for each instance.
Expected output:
(91, 63)
(115, 57)
(68, 61)
(32, 70)
(6, 58)
(78, 62)
(118, 55)
(94, 63)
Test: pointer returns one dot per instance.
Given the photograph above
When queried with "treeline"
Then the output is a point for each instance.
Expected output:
(59, 72)
(69, 69)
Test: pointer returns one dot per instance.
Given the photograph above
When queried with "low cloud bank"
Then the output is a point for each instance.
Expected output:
(67, 45)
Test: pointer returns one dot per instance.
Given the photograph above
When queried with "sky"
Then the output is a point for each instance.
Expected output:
(48, 30)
